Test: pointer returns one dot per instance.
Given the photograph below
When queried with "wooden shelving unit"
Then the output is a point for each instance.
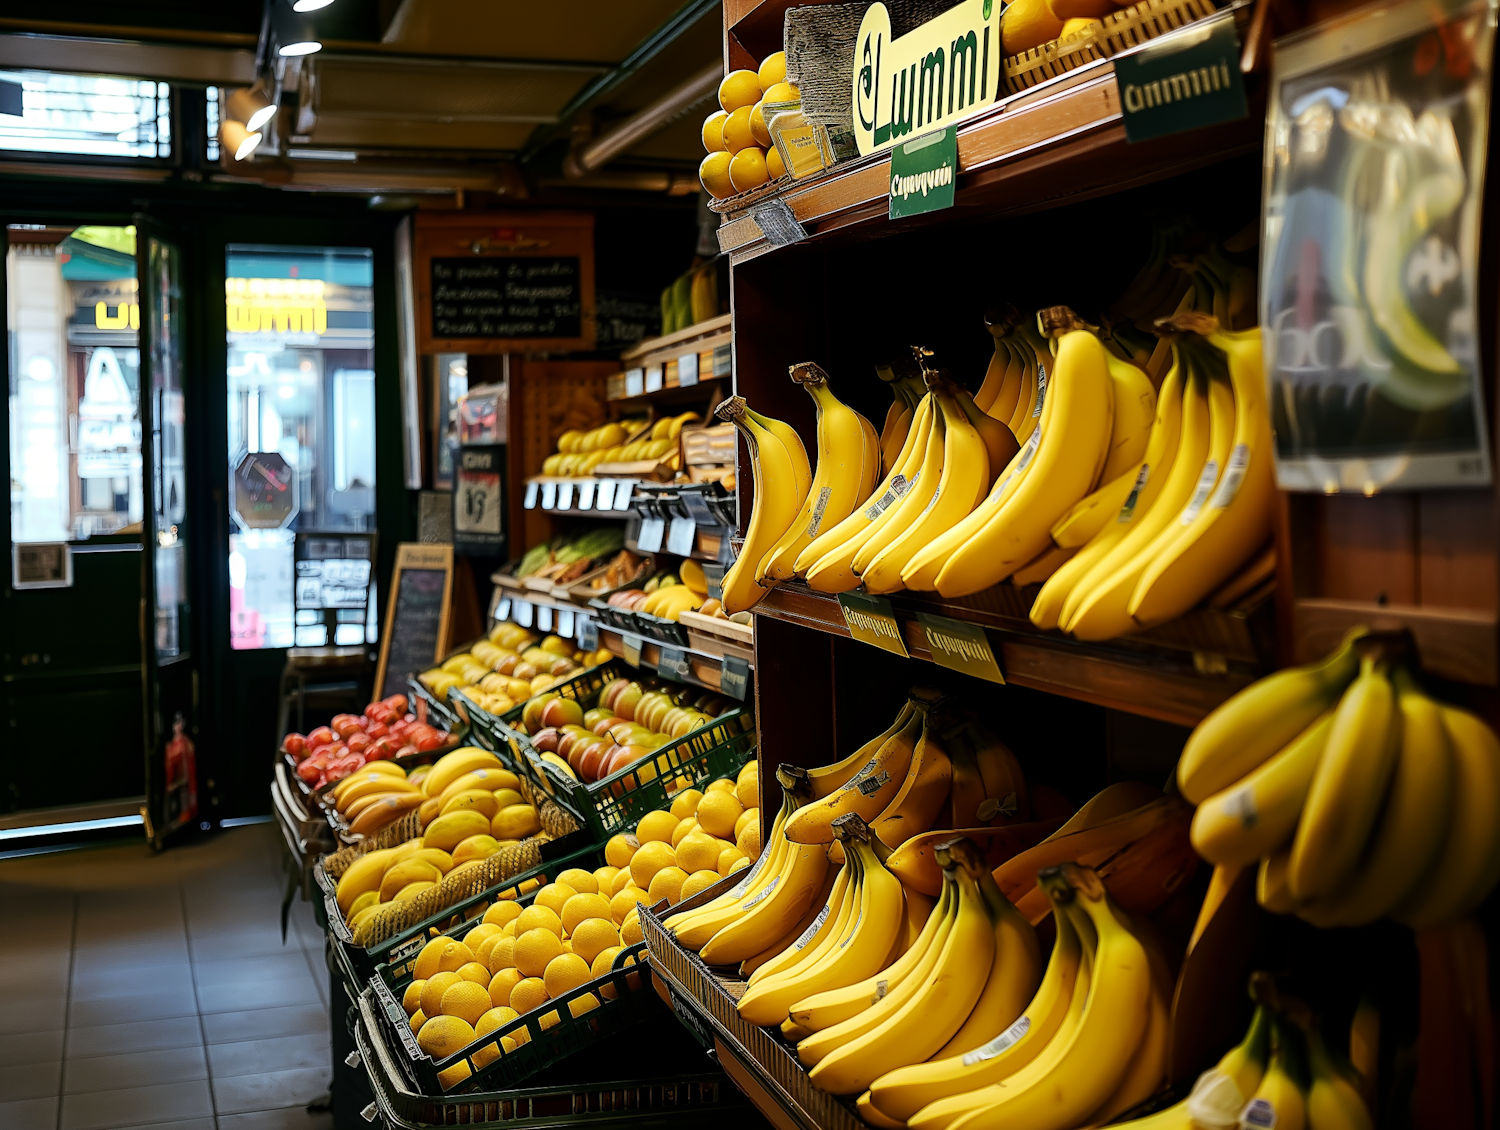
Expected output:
(653, 369)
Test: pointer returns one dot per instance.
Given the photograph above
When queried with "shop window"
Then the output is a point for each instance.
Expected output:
(88, 115)
(75, 439)
(301, 365)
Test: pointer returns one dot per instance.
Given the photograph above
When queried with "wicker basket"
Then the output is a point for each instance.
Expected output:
(1118, 31)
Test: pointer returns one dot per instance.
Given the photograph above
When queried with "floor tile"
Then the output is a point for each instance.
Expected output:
(265, 1023)
(31, 1047)
(129, 953)
(259, 992)
(107, 1110)
(161, 1004)
(287, 1118)
(236, 1094)
(102, 982)
(135, 1069)
(28, 1013)
(190, 1124)
(140, 1036)
(281, 1053)
(36, 1114)
(29, 1081)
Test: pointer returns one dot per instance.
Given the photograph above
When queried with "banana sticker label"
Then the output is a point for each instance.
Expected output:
(853, 930)
(1033, 441)
(899, 486)
(763, 892)
(1041, 388)
(1240, 805)
(817, 518)
(812, 928)
(940, 73)
(744, 884)
(1234, 474)
(873, 784)
(1259, 1115)
(1206, 479)
(999, 1043)
(1127, 512)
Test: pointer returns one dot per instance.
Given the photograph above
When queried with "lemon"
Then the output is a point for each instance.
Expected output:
(565, 973)
(528, 994)
(495, 1018)
(656, 826)
(579, 908)
(606, 877)
(467, 1001)
(758, 128)
(479, 934)
(739, 88)
(603, 960)
(432, 992)
(534, 949)
(739, 864)
(621, 847)
(476, 972)
(719, 786)
(717, 813)
(738, 135)
(749, 840)
(487, 947)
(586, 1003)
(452, 1076)
(745, 817)
(455, 955)
(503, 954)
(747, 784)
(501, 913)
(503, 984)
(492, 1020)
(427, 961)
(685, 803)
(729, 860)
(630, 929)
(667, 884)
(515, 822)
(554, 896)
(714, 175)
(782, 92)
(747, 170)
(441, 1036)
(624, 902)
(539, 918)
(418, 1019)
(713, 131)
(594, 935)
(649, 860)
(622, 880)
(772, 70)
(697, 881)
(411, 1000)
(699, 852)
(509, 929)
(684, 829)
(584, 882)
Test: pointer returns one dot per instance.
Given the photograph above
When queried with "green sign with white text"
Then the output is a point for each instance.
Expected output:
(923, 172)
(1183, 81)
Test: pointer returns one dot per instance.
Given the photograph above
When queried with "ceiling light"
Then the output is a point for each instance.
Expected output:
(249, 105)
(237, 140)
(294, 30)
(309, 5)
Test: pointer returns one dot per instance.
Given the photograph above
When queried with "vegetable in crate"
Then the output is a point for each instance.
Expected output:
(385, 730)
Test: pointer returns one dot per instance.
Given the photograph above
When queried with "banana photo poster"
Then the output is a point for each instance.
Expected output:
(1375, 153)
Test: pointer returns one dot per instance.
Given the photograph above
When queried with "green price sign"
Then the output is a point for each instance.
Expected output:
(872, 621)
(1184, 81)
(923, 172)
(960, 647)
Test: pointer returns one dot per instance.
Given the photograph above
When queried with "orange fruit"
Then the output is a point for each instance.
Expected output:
(528, 994)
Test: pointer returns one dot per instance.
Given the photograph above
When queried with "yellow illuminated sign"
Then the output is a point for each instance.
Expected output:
(275, 306)
(127, 316)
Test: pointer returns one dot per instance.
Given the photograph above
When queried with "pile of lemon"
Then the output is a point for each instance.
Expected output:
(741, 154)
(675, 853)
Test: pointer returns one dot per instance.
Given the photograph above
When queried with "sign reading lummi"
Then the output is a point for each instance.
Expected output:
(939, 73)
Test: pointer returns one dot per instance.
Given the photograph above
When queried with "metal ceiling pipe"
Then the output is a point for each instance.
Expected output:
(665, 110)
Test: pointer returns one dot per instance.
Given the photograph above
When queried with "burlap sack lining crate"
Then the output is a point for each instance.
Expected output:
(1129, 27)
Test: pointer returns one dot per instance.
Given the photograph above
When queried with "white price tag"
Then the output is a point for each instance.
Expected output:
(623, 491)
(649, 540)
(549, 496)
(521, 612)
(633, 645)
(586, 494)
(544, 617)
(606, 495)
(502, 609)
(687, 369)
(680, 539)
(565, 496)
(653, 379)
(565, 619)
(588, 633)
(529, 502)
(635, 382)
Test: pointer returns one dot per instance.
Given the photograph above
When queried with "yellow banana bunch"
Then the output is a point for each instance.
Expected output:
(867, 793)
(906, 393)
(923, 794)
(782, 480)
(1001, 389)
(848, 467)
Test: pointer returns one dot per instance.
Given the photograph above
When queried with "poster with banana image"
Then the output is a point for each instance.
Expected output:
(1375, 153)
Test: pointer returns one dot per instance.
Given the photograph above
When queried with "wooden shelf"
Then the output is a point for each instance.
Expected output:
(1177, 673)
(706, 668)
(652, 367)
(1058, 142)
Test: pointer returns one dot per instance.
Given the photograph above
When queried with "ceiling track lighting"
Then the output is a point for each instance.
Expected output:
(293, 27)
(309, 5)
(250, 105)
(237, 141)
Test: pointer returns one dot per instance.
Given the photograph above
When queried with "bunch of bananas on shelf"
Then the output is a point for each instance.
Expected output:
(691, 298)
(578, 453)
(1358, 795)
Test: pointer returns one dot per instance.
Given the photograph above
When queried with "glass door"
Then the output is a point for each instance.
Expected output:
(169, 683)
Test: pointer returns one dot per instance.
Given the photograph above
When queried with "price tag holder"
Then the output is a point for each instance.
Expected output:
(587, 633)
(633, 645)
(687, 1017)
(960, 647)
(566, 619)
(549, 496)
(674, 662)
(687, 370)
(502, 609)
(723, 360)
(521, 612)
(635, 382)
(586, 494)
(871, 620)
(623, 490)
(654, 378)
(778, 223)
(734, 677)
(565, 496)
(605, 499)
(532, 490)
(680, 537)
(649, 540)
(544, 617)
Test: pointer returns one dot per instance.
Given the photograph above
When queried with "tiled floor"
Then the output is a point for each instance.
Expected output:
(144, 990)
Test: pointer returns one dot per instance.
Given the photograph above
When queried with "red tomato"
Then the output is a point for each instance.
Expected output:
(295, 744)
(320, 759)
(377, 730)
(346, 724)
(373, 710)
(334, 775)
(408, 751)
(408, 717)
(428, 742)
(398, 703)
(358, 743)
(381, 749)
(321, 736)
(308, 771)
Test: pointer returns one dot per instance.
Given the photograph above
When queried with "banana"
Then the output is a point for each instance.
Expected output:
(1148, 1067)
(1041, 567)
(1002, 380)
(871, 1116)
(1349, 786)
(792, 441)
(999, 444)
(1469, 864)
(895, 521)
(1031, 396)
(827, 561)
(963, 481)
(778, 480)
(1098, 523)
(1134, 398)
(867, 793)
(1006, 797)
(914, 863)
(1272, 890)
(1259, 814)
(768, 914)
(929, 1017)
(967, 790)
(898, 419)
(1245, 731)
(1412, 824)
(1040, 355)
(1278, 1100)
(1333, 1103)
(848, 466)
(1064, 1085)
(833, 1007)
(829, 778)
(901, 1093)
(1105, 612)
(863, 945)
(923, 793)
(807, 930)
(1237, 520)
(995, 540)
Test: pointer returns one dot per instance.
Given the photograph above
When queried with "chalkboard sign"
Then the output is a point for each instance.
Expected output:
(516, 298)
(415, 636)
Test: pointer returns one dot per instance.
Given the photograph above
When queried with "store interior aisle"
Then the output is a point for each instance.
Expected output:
(147, 990)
